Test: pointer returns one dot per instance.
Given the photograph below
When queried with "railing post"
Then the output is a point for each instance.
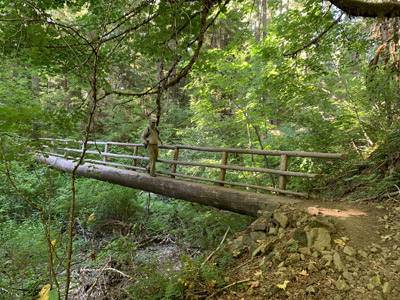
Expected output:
(224, 161)
(105, 157)
(65, 151)
(52, 146)
(135, 152)
(282, 178)
(176, 155)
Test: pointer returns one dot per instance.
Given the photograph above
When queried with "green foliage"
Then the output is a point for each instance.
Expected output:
(192, 223)
(23, 256)
(169, 283)
(190, 226)
(53, 294)
(122, 249)
(157, 283)
(114, 207)
(289, 86)
(31, 181)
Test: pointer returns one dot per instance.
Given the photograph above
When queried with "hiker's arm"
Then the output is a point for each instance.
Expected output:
(142, 137)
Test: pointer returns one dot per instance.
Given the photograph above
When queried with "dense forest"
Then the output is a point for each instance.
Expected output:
(303, 75)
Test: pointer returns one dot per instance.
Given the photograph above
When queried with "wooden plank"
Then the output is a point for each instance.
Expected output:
(255, 187)
(126, 144)
(107, 154)
(238, 168)
(73, 141)
(266, 152)
(114, 164)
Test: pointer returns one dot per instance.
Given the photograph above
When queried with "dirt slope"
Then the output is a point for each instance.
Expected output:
(317, 250)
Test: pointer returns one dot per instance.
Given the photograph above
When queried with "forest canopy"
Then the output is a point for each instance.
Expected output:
(317, 76)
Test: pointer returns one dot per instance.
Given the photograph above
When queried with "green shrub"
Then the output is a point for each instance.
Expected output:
(23, 259)
(156, 283)
(115, 208)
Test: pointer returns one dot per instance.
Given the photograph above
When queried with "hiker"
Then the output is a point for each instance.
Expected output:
(150, 138)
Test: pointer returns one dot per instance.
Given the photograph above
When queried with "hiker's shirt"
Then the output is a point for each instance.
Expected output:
(153, 138)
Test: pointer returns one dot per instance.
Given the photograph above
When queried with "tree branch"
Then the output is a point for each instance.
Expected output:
(200, 40)
(358, 8)
(314, 41)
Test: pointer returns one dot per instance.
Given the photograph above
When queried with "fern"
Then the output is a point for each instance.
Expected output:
(173, 291)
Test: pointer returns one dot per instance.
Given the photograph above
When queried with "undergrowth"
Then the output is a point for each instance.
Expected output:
(375, 178)
(163, 225)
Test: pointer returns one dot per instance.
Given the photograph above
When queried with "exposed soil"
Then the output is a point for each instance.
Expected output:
(318, 250)
(362, 260)
(359, 221)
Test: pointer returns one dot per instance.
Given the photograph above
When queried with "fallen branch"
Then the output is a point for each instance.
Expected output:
(227, 287)
(219, 247)
(393, 194)
(108, 269)
(243, 264)
(97, 279)
(387, 195)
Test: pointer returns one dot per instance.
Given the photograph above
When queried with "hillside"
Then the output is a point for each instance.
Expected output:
(322, 250)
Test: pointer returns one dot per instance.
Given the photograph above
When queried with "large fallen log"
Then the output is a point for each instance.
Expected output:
(239, 201)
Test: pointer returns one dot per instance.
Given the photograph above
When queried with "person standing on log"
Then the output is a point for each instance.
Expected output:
(150, 138)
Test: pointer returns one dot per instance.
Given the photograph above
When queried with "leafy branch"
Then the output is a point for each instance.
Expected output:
(358, 8)
(39, 209)
(315, 40)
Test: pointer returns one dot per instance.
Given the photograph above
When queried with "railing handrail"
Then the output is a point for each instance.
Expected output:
(228, 150)
(223, 166)
(198, 164)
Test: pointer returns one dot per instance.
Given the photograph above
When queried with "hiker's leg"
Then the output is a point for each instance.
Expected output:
(153, 153)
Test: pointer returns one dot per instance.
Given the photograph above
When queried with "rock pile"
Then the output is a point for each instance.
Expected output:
(290, 254)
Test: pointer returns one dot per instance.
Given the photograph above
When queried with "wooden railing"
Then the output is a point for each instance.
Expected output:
(62, 148)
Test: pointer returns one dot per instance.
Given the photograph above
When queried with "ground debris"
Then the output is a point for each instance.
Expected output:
(296, 254)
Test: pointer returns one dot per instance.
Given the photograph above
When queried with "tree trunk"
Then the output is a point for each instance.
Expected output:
(238, 201)
(257, 32)
(264, 18)
(35, 84)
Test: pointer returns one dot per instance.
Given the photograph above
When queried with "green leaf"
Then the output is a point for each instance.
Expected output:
(53, 295)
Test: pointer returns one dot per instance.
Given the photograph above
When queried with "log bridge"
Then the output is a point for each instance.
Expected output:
(124, 166)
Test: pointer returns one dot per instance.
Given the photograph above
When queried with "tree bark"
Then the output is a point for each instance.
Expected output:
(238, 201)
(264, 18)
(358, 8)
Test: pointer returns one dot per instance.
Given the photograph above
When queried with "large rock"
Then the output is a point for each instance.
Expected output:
(388, 287)
(341, 285)
(338, 261)
(281, 218)
(320, 239)
(316, 223)
(258, 235)
(300, 236)
(350, 251)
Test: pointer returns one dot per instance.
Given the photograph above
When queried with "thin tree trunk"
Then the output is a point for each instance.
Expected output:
(257, 21)
(264, 18)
